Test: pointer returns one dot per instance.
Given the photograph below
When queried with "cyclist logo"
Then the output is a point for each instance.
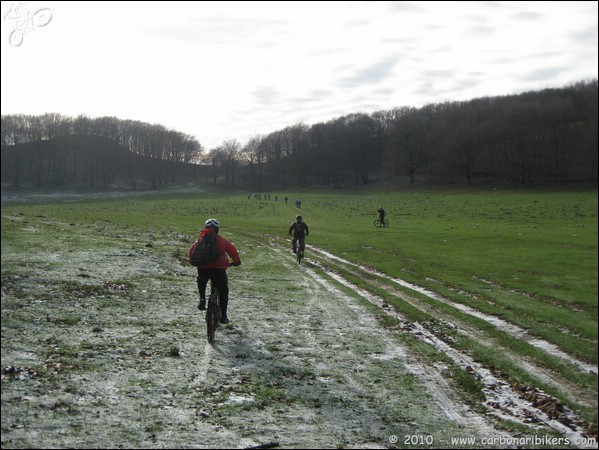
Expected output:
(25, 21)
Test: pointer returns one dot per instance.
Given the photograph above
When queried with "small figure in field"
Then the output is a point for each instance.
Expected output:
(381, 212)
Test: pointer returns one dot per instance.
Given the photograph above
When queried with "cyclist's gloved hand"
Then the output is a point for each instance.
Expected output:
(236, 263)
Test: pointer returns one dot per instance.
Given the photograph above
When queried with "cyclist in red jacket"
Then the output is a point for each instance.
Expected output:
(217, 270)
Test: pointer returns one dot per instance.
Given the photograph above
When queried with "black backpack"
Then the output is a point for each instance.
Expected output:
(204, 251)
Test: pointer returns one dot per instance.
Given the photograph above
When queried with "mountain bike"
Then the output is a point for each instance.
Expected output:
(384, 223)
(213, 312)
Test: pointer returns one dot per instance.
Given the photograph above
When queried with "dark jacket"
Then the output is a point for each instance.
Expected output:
(299, 229)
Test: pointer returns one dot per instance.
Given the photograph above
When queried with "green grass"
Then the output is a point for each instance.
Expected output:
(528, 256)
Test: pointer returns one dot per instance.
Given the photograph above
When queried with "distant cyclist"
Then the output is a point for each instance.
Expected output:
(381, 212)
(299, 230)
(217, 270)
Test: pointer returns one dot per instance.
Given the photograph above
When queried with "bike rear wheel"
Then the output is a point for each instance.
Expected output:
(213, 313)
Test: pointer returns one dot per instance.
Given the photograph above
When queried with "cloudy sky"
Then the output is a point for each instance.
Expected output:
(233, 70)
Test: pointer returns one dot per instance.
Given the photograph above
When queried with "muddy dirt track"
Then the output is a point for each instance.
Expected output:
(89, 361)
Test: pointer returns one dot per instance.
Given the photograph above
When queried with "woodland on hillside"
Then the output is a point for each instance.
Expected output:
(540, 136)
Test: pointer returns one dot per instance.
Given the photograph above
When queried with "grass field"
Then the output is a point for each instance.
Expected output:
(530, 256)
(526, 256)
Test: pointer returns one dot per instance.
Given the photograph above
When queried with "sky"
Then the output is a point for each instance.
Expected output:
(234, 70)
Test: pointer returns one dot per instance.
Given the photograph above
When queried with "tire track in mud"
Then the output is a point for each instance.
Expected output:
(547, 376)
(433, 380)
(502, 400)
(500, 324)
(438, 390)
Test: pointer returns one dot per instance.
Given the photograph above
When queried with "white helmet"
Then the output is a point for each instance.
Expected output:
(212, 223)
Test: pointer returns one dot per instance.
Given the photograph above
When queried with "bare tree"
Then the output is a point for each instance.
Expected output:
(254, 154)
(409, 140)
(230, 151)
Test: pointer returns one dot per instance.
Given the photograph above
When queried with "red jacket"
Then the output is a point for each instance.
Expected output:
(225, 248)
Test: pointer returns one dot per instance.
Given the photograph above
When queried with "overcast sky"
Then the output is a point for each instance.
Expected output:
(233, 70)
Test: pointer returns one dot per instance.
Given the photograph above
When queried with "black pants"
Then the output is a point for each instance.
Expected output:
(298, 241)
(219, 279)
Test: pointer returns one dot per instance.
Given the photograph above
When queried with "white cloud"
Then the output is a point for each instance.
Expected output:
(230, 70)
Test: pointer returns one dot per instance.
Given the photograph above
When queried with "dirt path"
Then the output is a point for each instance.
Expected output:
(304, 363)
(502, 399)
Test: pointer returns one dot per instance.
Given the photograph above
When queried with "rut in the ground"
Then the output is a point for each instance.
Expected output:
(512, 402)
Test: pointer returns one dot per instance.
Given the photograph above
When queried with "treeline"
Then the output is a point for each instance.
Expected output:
(89, 162)
(151, 140)
(548, 135)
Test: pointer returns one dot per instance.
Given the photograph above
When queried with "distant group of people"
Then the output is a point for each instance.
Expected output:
(260, 196)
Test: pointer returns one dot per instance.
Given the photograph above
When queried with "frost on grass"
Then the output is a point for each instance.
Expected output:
(104, 347)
